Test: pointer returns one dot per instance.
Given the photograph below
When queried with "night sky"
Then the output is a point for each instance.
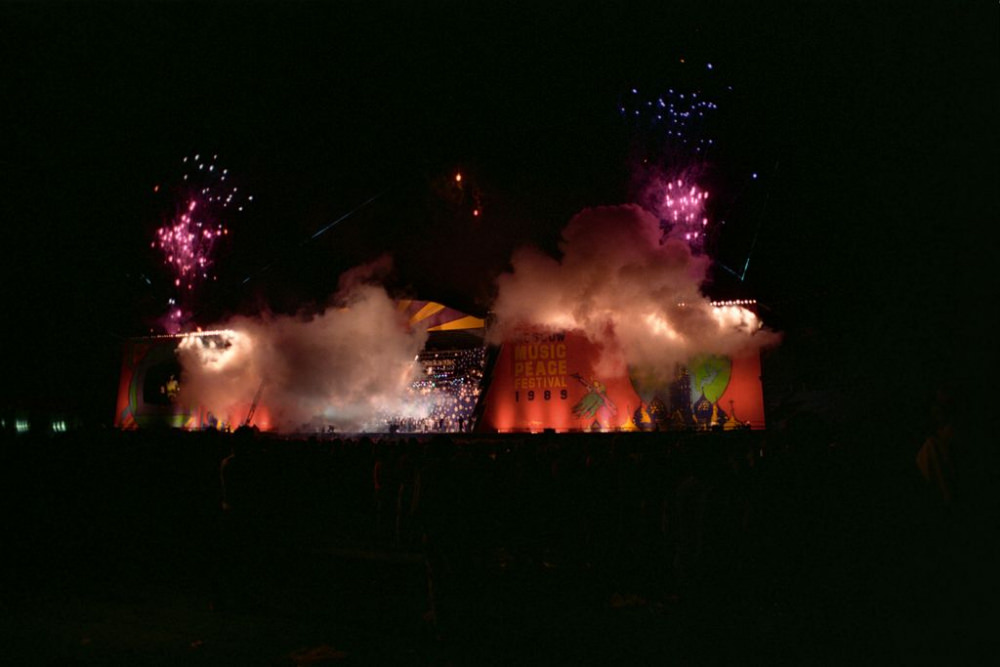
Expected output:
(871, 129)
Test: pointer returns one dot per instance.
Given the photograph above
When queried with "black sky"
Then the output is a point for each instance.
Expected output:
(872, 127)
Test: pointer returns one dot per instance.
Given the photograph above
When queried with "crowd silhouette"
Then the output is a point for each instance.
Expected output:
(802, 536)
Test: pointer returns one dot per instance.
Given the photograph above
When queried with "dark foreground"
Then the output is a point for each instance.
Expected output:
(591, 549)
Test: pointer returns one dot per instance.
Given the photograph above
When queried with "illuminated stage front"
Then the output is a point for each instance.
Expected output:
(533, 382)
(553, 381)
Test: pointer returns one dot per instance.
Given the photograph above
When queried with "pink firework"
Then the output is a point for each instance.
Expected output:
(188, 243)
(682, 208)
(190, 239)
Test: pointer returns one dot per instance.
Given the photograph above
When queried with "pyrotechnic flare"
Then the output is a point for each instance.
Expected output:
(459, 192)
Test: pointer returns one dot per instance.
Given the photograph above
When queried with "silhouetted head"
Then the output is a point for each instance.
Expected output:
(441, 447)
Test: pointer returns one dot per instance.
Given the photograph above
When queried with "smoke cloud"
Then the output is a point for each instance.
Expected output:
(634, 293)
(346, 366)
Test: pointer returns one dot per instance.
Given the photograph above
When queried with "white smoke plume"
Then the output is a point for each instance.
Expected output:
(344, 366)
(635, 294)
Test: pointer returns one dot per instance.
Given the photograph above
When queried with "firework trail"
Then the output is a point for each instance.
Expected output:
(203, 201)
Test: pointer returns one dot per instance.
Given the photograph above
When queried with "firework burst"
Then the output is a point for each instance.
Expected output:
(204, 202)
(671, 132)
(675, 118)
(682, 212)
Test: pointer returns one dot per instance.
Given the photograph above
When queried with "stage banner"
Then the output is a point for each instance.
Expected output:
(550, 381)
(558, 381)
